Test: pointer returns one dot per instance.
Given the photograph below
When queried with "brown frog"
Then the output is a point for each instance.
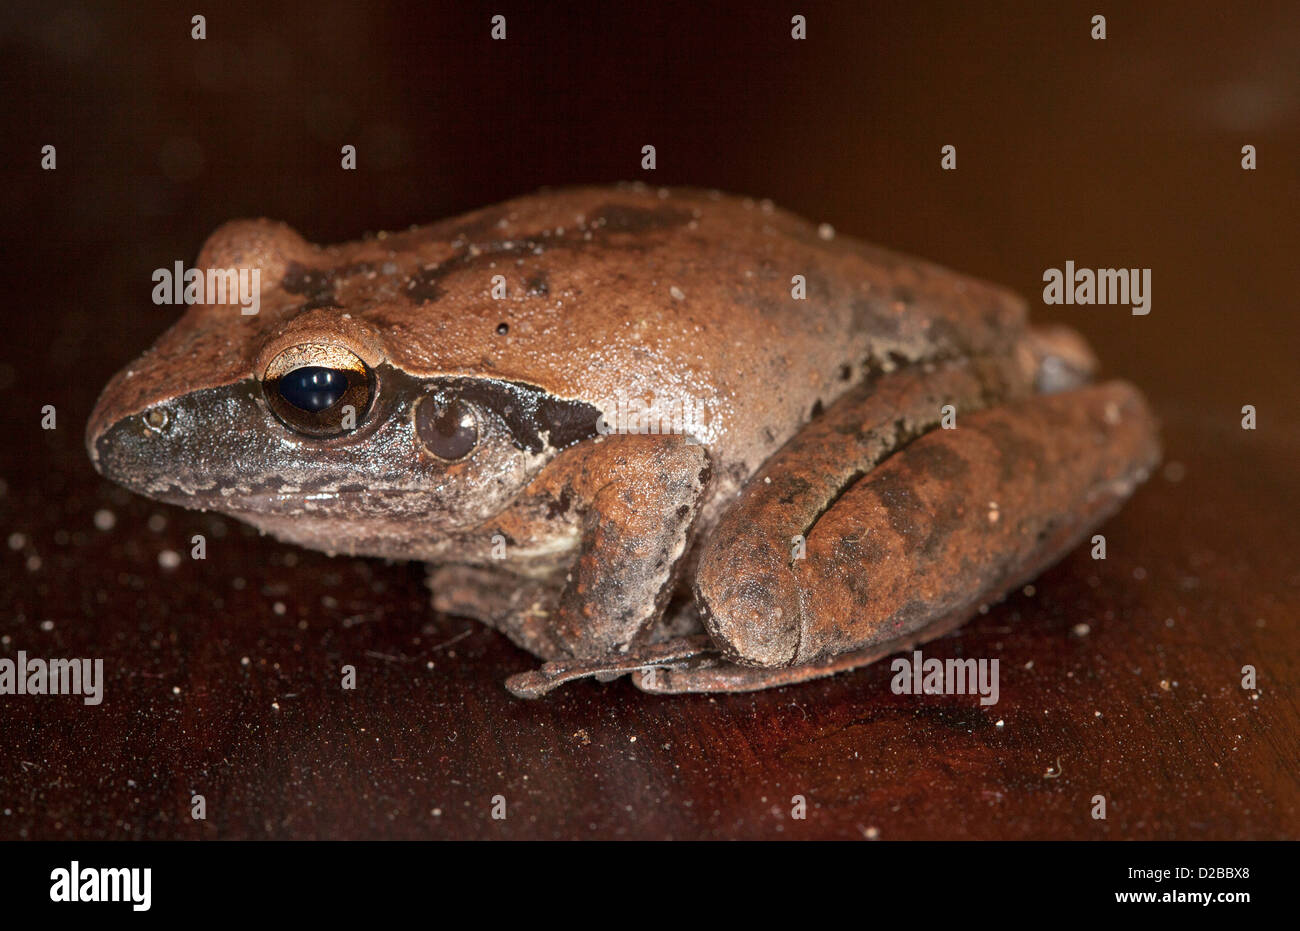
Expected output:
(668, 433)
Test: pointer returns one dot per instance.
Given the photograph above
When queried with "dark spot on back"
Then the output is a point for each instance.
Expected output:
(315, 284)
(424, 285)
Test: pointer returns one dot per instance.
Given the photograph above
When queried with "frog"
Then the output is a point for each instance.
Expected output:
(670, 435)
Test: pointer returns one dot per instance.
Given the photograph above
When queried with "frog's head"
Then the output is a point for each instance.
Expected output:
(296, 419)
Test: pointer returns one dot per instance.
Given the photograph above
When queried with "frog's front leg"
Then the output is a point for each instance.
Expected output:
(914, 537)
(635, 499)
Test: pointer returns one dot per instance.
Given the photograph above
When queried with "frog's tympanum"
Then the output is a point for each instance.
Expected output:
(671, 434)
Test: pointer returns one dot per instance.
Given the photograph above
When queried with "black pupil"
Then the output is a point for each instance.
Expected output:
(314, 388)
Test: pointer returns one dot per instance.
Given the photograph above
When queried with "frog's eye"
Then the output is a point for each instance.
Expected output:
(318, 389)
(447, 426)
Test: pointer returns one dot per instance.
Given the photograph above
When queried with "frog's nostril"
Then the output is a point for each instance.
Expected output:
(156, 419)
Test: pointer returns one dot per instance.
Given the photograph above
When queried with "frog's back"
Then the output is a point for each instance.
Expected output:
(604, 284)
(684, 294)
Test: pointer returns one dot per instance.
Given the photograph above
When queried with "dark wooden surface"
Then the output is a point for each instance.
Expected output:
(1120, 678)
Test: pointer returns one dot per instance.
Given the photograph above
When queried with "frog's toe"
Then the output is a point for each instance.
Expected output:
(1058, 358)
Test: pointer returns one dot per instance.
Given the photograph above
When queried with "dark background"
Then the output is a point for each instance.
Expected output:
(223, 674)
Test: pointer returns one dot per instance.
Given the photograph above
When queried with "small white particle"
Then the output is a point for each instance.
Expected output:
(17, 541)
(47, 626)
(826, 231)
(1081, 630)
(105, 519)
(677, 293)
(278, 608)
(169, 559)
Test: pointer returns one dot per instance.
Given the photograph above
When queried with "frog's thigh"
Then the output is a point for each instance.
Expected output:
(953, 520)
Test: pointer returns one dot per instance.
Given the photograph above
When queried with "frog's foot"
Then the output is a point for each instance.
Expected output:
(709, 672)
(801, 573)
(645, 661)
(519, 607)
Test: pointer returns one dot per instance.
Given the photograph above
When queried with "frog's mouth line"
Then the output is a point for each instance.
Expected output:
(260, 502)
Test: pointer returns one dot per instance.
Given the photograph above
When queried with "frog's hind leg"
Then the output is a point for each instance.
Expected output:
(803, 579)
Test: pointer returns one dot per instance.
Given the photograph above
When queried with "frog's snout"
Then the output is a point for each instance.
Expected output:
(137, 450)
(103, 437)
